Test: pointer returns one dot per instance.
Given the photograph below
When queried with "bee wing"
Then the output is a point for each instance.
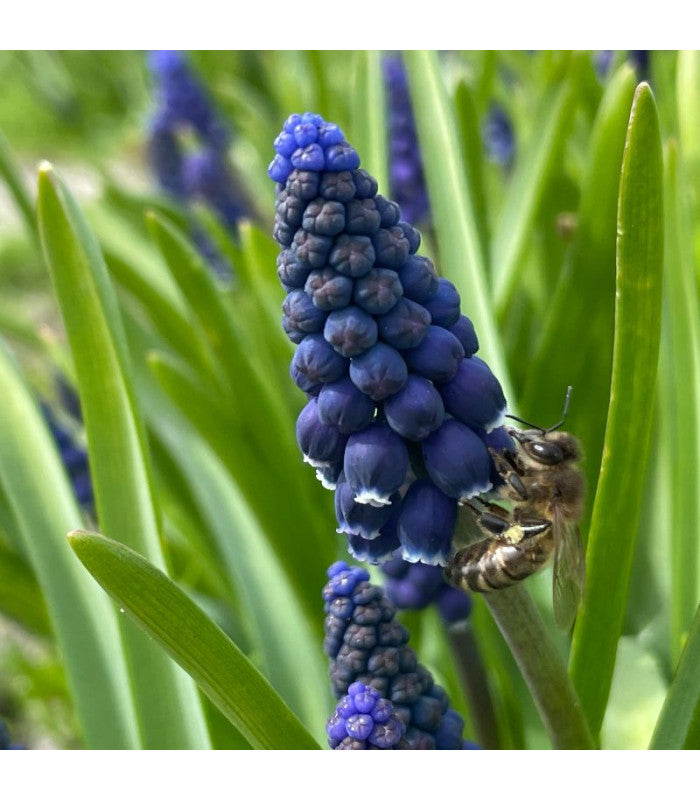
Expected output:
(569, 569)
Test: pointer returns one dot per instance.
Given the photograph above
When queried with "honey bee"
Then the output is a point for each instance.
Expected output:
(544, 480)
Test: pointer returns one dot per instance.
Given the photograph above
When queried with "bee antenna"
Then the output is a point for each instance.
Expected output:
(544, 431)
(525, 422)
(564, 412)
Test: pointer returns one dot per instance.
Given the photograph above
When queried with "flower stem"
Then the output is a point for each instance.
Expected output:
(472, 675)
(542, 667)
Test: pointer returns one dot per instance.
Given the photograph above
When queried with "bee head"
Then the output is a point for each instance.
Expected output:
(547, 448)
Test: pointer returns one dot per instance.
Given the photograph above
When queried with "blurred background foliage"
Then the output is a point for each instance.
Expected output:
(246, 530)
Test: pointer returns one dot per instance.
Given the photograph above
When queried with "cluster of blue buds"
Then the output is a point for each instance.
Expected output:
(416, 586)
(364, 720)
(184, 108)
(400, 410)
(405, 164)
(366, 643)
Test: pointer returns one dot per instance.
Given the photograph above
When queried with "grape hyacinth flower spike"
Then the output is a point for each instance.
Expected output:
(371, 663)
(398, 404)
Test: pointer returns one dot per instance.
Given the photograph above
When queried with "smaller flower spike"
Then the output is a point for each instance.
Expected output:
(368, 649)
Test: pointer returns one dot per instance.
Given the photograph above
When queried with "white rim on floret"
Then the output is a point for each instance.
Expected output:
(480, 488)
(353, 532)
(369, 497)
(436, 561)
(324, 481)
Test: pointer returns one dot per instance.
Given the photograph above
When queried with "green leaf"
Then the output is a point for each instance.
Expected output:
(20, 594)
(680, 410)
(687, 94)
(369, 127)
(618, 500)
(185, 632)
(453, 213)
(550, 122)
(10, 173)
(677, 726)
(584, 298)
(168, 708)
(85, 626)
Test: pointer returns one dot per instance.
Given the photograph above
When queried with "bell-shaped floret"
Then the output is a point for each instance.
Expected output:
(415, 411)
(322, 445)
(457, 460)
(474, 395)
(315, 362)
(437, 356)
(344, 406)
(444, 304)
(426, 523)
(375, 464)
(380, 372)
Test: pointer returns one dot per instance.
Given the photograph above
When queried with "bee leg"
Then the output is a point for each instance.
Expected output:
(509, 471)
(531, 526)
(495, 525)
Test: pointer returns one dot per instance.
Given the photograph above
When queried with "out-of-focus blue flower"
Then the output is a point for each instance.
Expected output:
(383, 345)
(639, 59)
(196, 170)
(6, 741)
(416, 586)
(405, 164)
(367, 645)
(364, 720)
(498, 136)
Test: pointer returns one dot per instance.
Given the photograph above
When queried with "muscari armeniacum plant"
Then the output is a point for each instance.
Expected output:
(400, 410)
(369, 653)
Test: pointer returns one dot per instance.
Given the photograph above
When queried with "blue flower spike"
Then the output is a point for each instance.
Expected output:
(384, 353)
(386, 698)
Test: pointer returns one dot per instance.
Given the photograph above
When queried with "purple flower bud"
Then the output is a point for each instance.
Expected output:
(437, 357)
(360, 519)
(311, 250)
(418, 278)
(309, 158)
(362, 218)
(325, 218)
(280, 168)
(316, 362)
(305, 133)
(426, 713)
(359, 726)
(335, 728)
(294, 335)
(285, 144)
(415, 411)
(340, 157)
(329, 134)
(321, 444)
(380, 372)
(426, 522)
(337, 186)
(457, 461)
(343, 405)
(378, 291)
(375, 464)
(303, 184)
(352, 255)
(463, 329)
(391, 247)
(291, 122)
(302, 314)
(328, 289)
(290, 272)
(474, 395)
(413, 236)
(290, 210)
(389, 211)
(444, 304)
(405, 325)
(365, 184)
(396, 568)
(351, 331)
